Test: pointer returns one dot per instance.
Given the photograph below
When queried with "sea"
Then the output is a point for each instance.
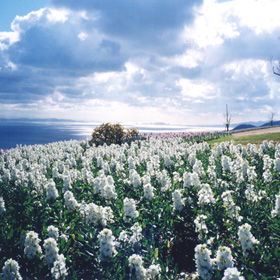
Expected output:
(20, 132)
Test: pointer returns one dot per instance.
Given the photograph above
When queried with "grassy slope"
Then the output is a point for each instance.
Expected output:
(253, 139)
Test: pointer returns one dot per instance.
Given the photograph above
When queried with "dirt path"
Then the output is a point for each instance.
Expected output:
(257, 131)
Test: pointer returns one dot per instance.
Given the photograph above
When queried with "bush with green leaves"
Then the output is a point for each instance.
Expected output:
(108, 133)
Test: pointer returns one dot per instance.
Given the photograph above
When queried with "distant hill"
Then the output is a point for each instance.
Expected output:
(243, 126)
(268, 123)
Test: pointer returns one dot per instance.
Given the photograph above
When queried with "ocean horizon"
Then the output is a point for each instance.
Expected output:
(16, 132)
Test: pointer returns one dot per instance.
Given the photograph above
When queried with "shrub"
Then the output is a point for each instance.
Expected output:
(113, 134)
(108, 133)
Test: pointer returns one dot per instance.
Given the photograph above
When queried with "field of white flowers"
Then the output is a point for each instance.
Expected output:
(155, 209)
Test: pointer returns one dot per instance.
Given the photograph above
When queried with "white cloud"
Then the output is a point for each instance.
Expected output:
(214, 23)
(88, 61)
(200, 89)
(260, 16)
(82, 36)
(57, 15)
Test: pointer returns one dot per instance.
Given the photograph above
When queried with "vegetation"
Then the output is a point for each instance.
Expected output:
(244, 140)
(159, 208)
(109, 134)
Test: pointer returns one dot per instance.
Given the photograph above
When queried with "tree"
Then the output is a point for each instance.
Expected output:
(228, 118)
(275, 68)
(271, 117)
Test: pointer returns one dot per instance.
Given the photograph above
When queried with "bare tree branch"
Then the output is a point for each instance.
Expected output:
(271, 118)
(228, 118)
(277, 71)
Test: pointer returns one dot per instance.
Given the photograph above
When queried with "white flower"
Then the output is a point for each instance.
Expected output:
(70, 201)
(267, 176)
(107, 244)
(98, 214)
(153, 271)
(52, 192)
(223, 258)
(230, 206)
(178, 201)
(136, 265)
(232, 273)
(2, 205)
(51, 250)
(205, 195)
(59, 269)
(136, 230)
(276, 210)
(10, 270)
(246, 238)
(200, 225)
(195, 180)
(203, 261)
(108, 191)
(31, 244)
(187, 179)
(53, 232)
(130, 208)
(226, 164)
(123, 236)
(148, 191)
(197, 168)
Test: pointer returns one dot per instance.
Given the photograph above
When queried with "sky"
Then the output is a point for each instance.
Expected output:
(141, 61)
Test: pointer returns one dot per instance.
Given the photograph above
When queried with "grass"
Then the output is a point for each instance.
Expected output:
(253, 139)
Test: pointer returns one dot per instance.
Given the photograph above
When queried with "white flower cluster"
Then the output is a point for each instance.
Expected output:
(136, 236)
(70, 201)
(59, 270)
(148, 191)
(223, 258)
(53, 232)
(226, 164)
(178, 201)
(203, 261)
(97, 214)
(191, 179)
(205, 195)
(267, 176)
(277, 164)
(136, 267)
(135, 178)
(138, 270)
(10, 270)
(52, 257)
(107, 244)
(108, 192)
(132, 236)
(198, 168)
(251, 194)
(51, 250)
(153, 271)
(130, 208)
(246, 238)
(51, 190)
(276, 210)
(230, 205)
(31, 244)
(2, 205)
(200, 225)
(232, 273)
(164, 180)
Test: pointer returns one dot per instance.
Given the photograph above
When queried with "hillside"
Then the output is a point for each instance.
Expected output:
(243, 126)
